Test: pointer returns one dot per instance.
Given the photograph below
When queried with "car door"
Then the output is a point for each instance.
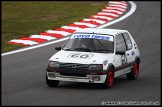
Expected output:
(130, 54)
(122, 60)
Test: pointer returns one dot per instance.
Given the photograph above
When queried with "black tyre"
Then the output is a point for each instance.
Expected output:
(51, 83)
(109, 79)
(134, 72)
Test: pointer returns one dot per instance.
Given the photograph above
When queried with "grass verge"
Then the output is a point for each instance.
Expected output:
(24, 18)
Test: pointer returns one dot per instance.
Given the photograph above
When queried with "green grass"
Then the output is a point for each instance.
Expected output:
(24, 18)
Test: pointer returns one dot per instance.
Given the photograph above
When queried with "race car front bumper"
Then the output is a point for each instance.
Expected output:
(88, 79)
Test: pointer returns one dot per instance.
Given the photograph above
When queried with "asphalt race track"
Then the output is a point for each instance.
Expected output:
(23, 74)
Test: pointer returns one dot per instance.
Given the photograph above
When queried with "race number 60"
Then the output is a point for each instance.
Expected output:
(82, 56)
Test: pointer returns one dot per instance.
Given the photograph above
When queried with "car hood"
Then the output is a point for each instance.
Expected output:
(81, 57)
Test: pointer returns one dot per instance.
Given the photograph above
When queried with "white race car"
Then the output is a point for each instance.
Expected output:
(94, 55)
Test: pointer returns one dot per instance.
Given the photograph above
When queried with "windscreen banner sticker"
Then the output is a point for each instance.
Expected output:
(94, 36)
(80, 56)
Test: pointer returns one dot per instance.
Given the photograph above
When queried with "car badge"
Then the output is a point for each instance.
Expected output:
(74, 66)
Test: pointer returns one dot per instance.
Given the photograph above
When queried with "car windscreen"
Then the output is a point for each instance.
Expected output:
(90, 43)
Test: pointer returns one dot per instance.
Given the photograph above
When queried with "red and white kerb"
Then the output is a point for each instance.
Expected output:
(111, 12)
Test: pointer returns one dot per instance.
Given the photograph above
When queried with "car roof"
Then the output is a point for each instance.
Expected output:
(101, 31)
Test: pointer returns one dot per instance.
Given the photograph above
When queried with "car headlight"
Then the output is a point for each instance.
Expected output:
(96, 67)
(53, 64)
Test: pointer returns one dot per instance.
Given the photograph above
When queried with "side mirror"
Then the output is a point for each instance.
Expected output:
(58, 48)
(120, 52)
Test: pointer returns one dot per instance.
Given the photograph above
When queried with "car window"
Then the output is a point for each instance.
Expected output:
(101, 44)
(90, 42)
(128, 41)
(120, 43)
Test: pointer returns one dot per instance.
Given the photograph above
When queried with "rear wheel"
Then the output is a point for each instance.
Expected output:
(51, 83)
(109, 79)
(134, 72)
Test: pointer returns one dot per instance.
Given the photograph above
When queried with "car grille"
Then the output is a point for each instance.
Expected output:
(73, 69)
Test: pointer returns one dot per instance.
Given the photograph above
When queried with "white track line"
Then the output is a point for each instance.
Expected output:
(131, 11)
(26, 42)
(43, 37)
(58, 32)
(34, 47)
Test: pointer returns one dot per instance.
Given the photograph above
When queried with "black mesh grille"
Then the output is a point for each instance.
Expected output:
(72, 69)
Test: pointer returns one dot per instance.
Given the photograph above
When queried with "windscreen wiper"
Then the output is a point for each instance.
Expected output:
(79, 49)
(69, 49)
(109, 50)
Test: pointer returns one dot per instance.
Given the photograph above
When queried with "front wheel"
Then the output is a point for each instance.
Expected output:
(51, 83)
(134, 72)
(109, 79)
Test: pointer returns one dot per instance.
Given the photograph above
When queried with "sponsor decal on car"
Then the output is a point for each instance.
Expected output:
(105, 62)
(94, 36)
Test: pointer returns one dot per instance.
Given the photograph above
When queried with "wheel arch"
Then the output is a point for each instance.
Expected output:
(137, 59)
(109, 66)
